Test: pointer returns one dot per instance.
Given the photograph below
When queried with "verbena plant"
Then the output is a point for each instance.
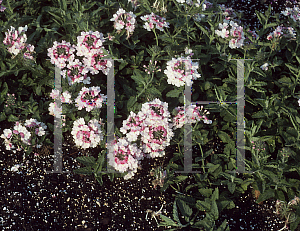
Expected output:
(146, 45)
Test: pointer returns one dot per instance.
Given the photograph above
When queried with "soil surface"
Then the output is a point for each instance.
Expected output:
(32, 199)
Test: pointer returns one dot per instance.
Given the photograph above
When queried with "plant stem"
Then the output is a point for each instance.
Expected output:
(145, 87)
(202, 157)
(155, 36)
(175, 189)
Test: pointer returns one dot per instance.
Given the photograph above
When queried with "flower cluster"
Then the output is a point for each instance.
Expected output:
(60, 53)
(86, 136)
(236, 33)
(121, 19)
(65, 96)
(134, 4)
(287, 210)
(264, 67)
(150, 127)
(126, 157)
(54, 110)
(2, 8)
(254, 34)
(23, 134)
(294, 13)
(90, 48)
(280, 31)
(176, 71)
(151, 68)
(193, 114)
(227, 12)
(206, 5)
(15, 40)
(153, 19)
(90, 98)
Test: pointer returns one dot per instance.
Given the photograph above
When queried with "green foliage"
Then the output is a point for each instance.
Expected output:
(271, 111)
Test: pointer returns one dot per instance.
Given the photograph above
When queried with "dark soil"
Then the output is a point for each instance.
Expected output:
(32, 199)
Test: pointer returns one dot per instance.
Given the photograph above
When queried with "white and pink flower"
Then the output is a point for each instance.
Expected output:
(86, 136)
(176, 71)
(90, 98)
(152, 20)
(124, 19)
(60, 53)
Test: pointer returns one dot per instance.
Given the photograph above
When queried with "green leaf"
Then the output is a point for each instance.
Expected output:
(271, 25)
(202, 29)
(212, 167)
(139, 57)
(180, 178)
(215, 195)
(4, 90)
(167, 221)
(224, 137)
(2, 116)
(208, 85)
(231, 187)
(84, 171)
(173, 93)
(260, 114)
(184, 208)
(175, 212)
(207, 192)
(138, 78)
(202, 205)
(285, 81)
(214, 210)
(266, 195)
(131, 102)
(261, 17)
(12, 118)
(86, 160)
(259, 71)
(223, 226)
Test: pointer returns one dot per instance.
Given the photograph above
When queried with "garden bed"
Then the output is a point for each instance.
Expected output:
(35, 200)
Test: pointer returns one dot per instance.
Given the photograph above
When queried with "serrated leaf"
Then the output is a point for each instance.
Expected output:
(202, 205)
(84, 171)
(207, 192)
(224, 137)
(184, 208)
(215, 195)
(167, 221)
(259, 71)
(86, 160)
(12, 118)
(175, 213)
(214, 210)
(211, 167)
(139, 57)
(138, 78)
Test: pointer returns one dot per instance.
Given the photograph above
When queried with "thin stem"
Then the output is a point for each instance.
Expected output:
(155, 36)
(175, 189)
(187, 30)
(145, 87)
(202, 157)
